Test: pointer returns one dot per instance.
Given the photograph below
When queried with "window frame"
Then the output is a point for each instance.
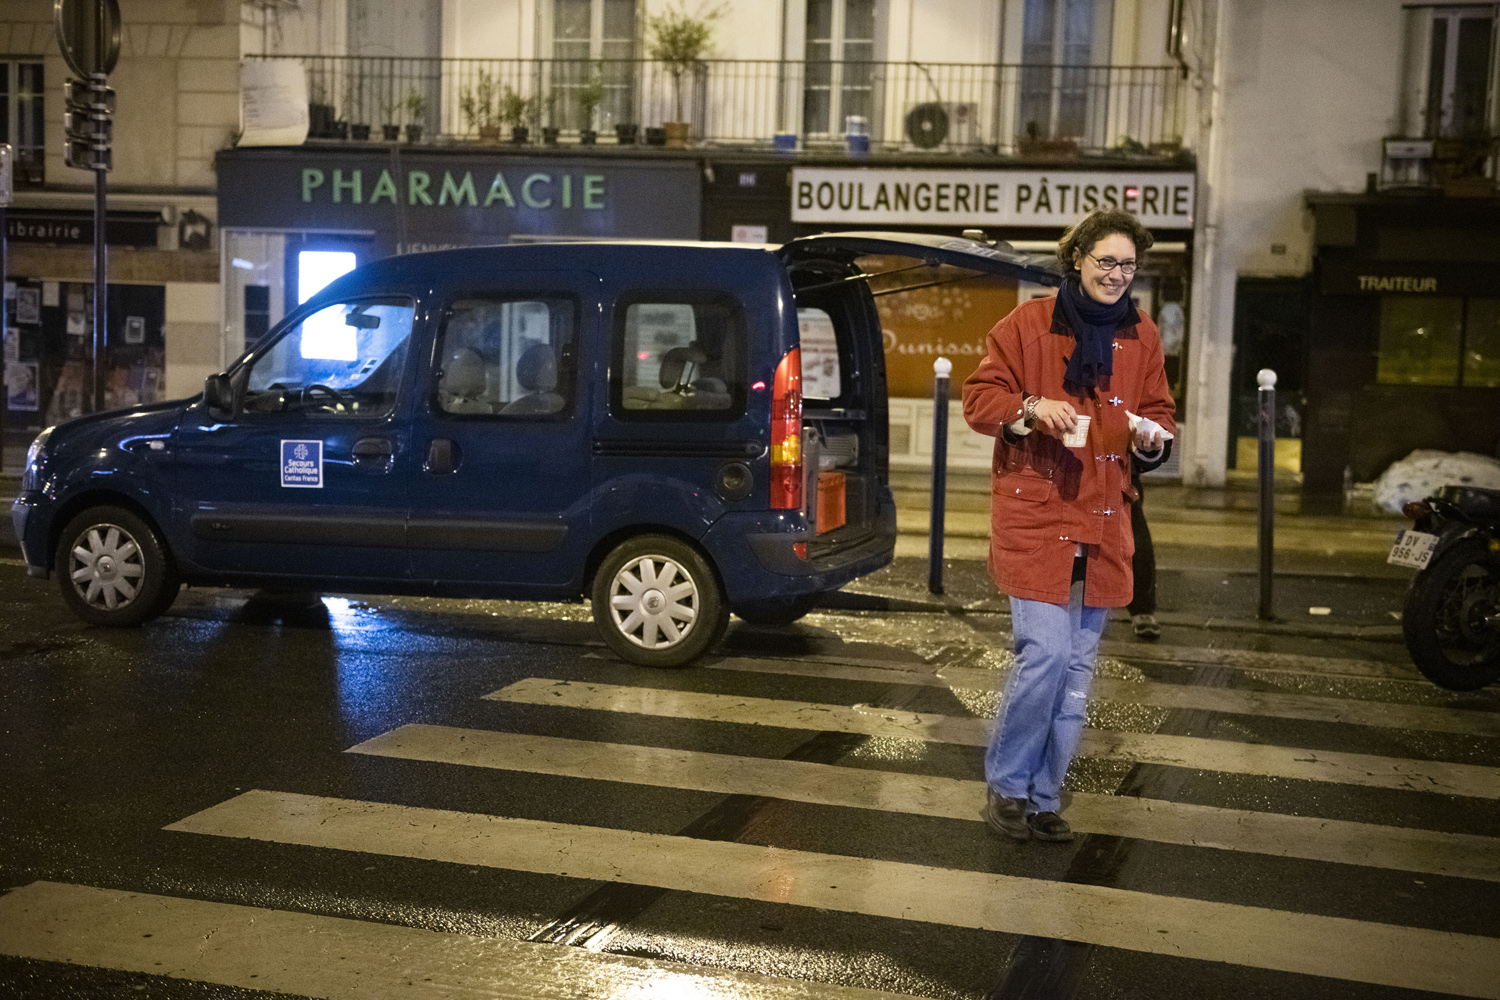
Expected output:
(568, 368)
(30, 157)
(246, 365)
(1460, 362)
(739, 391)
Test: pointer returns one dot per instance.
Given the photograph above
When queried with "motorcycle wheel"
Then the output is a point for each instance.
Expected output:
(1444, 620)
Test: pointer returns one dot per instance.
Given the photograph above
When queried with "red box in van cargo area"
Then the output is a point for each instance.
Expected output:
(830, 501)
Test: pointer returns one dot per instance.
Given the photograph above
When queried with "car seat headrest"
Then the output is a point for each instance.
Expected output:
(537, 369)
(675, 361)
(463, 374)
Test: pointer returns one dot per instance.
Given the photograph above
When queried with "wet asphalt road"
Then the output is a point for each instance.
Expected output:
(110, 736)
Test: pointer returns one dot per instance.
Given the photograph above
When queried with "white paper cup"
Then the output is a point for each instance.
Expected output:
(1077, 438)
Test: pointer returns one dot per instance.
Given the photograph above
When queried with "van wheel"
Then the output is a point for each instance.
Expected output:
(113, 569)
(777, 611)
(657, 602)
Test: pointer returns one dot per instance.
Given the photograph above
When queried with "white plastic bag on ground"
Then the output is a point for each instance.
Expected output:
(1419, 475)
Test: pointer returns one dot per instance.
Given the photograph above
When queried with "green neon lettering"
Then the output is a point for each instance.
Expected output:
(593, 190)
(352, 185)
(312, 178)
(417, 183)
(499, 190)
(384, 188)
(458, 191)
(567, 190)
(526, 195)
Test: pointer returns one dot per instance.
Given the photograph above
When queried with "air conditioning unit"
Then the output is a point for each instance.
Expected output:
(942, 126)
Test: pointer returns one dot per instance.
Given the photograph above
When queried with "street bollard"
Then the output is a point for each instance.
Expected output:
(941, 369)
(1266, 474)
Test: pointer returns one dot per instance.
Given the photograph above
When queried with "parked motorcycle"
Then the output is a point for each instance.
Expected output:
(1451, 619)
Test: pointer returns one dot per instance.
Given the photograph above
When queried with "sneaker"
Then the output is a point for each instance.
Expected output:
(1049, 826)
(1006, 816)
(1146, 627)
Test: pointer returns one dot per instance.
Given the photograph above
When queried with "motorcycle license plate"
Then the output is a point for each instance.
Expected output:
(1413, 549)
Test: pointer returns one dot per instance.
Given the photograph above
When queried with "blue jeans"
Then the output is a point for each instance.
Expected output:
(1045, 700)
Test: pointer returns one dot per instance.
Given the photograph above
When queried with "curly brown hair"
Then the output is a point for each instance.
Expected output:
(1082, 235)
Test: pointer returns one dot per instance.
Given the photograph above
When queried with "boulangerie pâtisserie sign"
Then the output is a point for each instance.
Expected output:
(877, 196)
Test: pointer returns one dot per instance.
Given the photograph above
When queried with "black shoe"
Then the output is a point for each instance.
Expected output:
(1049, 826)
(1006, 816)
(1146, 627)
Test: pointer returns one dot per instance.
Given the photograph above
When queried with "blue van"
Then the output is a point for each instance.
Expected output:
(642, 423)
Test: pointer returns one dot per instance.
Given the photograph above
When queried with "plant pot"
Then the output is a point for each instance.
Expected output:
(587, 137)
(1055, 148)
(341, 130)
(391, 133)
(359, 133)
(489, 133)
(678, 134)
(549, 135)
(413, 133)
(519, 134)
(625, 134)
(656, 136)
(319, 121)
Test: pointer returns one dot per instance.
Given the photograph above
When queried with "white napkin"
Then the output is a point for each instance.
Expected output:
(1151, 425)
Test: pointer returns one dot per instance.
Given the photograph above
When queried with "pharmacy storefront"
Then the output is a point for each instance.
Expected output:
(1028, 208)
(293, 219)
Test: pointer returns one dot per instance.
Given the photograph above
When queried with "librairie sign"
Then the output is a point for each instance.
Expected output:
(876, 196)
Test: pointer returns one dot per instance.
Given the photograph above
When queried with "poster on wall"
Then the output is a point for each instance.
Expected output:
(22, 386)
(28, 305)
(12, 346)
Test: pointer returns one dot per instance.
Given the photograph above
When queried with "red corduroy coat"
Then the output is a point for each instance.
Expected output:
(1047, 498)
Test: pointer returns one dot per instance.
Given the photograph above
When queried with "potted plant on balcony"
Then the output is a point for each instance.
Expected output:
(590, 96)
(477, 105)
(679, 40)
(391, 107)
(517, 112)
(416, 107)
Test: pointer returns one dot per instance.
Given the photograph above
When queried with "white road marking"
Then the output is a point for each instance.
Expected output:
(1146, 748)
(309, 955)
(1339, 841)
(1273, 704)
(1407, 957)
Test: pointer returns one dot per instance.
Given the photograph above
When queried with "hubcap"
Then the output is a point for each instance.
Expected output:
(654, 602)
(106, 567)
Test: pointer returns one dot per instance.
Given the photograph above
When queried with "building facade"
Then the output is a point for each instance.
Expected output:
(441, 122)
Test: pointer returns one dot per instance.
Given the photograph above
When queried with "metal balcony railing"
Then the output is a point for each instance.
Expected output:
(937, 107)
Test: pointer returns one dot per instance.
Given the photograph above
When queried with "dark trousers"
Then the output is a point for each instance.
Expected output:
(1143, 563)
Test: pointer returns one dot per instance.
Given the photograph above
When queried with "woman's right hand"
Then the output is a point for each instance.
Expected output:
(1056, 415)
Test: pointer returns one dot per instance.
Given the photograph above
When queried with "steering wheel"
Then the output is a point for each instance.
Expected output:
(316, 387)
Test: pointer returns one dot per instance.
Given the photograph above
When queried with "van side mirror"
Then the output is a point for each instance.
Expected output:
(218, 393)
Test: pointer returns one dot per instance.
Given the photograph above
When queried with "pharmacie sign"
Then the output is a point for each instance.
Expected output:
(876, 196)
(411, 200)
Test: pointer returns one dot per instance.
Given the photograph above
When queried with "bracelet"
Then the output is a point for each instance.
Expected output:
(1029, 408)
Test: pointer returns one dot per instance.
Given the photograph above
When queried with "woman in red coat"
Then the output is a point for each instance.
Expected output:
(1070, 387)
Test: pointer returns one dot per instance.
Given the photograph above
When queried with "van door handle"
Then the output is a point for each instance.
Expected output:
(442, 457)
(372, 451)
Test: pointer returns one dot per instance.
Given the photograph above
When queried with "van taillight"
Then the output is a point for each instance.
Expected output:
(786, 433)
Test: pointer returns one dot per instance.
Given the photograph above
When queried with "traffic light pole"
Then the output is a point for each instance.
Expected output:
(97, 83)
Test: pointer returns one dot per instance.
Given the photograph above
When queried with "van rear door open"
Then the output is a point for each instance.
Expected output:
(843, 360)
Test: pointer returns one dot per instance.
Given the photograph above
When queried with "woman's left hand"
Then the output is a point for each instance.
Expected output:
(1148, 437)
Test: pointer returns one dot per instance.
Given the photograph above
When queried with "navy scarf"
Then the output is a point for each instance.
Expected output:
(1093, 325)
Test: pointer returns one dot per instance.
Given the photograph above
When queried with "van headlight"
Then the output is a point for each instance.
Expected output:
(31, 475)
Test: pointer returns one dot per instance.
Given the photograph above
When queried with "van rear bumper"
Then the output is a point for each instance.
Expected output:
(762, 564)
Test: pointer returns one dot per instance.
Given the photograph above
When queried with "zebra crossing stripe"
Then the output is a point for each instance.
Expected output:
(1337, 947)
(1273, 704)
(1144, 748)
(308, 955)
(1342, 842)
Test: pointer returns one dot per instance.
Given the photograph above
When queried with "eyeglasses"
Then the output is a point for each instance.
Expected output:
(1107, 264)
